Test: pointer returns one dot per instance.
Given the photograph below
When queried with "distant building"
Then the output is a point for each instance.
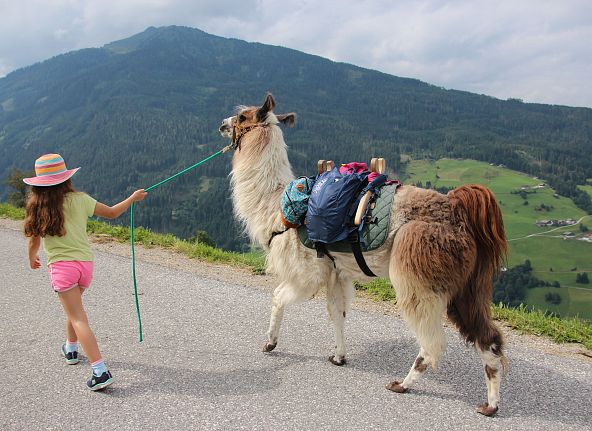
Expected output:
(543, 223)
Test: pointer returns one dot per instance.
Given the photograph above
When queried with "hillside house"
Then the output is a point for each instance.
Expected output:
(546, 223)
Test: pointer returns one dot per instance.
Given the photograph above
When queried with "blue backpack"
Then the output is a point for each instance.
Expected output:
(332, 196)
(332, 205)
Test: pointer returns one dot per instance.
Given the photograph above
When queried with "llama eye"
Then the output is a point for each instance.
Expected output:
(241, 118)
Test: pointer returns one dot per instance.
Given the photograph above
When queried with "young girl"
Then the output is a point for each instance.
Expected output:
(58, 214)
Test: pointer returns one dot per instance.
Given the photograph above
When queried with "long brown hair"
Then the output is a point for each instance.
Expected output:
(45, 210)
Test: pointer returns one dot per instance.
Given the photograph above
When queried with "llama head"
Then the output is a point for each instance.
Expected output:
(252, 117)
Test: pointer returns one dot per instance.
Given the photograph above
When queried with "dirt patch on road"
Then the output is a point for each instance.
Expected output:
(241, 276)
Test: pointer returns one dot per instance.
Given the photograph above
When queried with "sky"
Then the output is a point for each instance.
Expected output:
(535, 50)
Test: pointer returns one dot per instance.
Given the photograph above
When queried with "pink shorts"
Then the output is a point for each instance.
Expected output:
(66, 274)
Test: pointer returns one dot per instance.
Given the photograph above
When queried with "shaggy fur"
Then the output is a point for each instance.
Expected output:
(441, 253)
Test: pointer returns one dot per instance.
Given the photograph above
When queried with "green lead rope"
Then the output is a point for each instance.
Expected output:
(223, 150)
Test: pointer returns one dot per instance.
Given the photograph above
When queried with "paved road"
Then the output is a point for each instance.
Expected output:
(200, 365)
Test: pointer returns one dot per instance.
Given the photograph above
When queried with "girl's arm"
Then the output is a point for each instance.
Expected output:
(34, 243)
(116, 210)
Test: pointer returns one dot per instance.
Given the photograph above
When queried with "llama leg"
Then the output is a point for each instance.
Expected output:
(426, 322)
(419, 367)
(339, 296)
(416, 272)
(478, 328)
(422, 308)
(275, 321)
(494, 363)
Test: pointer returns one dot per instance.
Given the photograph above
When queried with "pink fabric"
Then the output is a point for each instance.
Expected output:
(353, 168)
(358, 167)
(67, 274)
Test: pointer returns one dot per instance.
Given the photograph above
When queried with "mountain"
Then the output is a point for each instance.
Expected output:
(141, 109)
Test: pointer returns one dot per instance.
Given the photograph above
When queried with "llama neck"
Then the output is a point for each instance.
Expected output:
(260, 172)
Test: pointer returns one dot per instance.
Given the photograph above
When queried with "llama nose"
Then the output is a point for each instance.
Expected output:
(223, 127)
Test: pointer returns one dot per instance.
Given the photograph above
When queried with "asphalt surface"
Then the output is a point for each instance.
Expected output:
(200, 365)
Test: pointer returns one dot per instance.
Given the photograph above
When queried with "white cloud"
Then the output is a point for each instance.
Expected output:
(538, 51)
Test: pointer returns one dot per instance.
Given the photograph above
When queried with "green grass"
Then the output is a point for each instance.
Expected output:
(587, 188)
(524, 320)
(519, 220)
(379, 289)
(13, 213)
(254, 261)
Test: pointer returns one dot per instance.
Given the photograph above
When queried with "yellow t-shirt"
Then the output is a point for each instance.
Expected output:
(74, 245)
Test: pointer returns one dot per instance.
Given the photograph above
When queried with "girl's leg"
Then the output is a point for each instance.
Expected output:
(72, 303)
(70, 333)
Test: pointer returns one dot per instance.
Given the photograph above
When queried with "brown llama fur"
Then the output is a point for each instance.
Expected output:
(441, 253)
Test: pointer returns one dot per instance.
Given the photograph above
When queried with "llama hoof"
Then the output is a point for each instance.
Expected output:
(269, 347)
(338, 362)
(396, 387)
(486, 410)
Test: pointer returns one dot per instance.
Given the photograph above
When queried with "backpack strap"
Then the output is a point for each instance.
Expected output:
(274, 234)
(322, 251)
(354, 240)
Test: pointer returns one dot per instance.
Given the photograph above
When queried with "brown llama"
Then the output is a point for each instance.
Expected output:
(441, 253)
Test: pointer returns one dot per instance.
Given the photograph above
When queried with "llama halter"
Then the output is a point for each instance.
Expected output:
(239, 131)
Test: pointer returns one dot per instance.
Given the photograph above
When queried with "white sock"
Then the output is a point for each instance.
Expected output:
(71, 346)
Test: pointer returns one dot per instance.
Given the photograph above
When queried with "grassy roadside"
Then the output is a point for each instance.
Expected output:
(522, 319)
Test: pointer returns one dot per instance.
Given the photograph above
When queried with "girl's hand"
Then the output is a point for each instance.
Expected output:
(35, 263)
(138, 195)
(115, 211)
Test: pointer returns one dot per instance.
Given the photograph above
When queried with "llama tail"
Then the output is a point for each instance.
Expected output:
(476, 204)
(470, 309)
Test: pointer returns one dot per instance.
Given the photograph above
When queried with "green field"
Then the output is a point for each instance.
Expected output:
(587, 188)
(553, 258)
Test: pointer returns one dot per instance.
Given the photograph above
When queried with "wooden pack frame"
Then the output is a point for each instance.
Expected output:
(324, 166)
(376, 165)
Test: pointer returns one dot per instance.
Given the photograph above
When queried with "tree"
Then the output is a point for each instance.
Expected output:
(18, 195)
(553, 298)
(202, 237)
(582, 278)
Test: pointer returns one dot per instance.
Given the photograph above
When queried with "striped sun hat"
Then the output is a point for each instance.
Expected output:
(50, 169)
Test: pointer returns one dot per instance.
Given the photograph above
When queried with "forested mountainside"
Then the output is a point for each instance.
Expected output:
(138, 110)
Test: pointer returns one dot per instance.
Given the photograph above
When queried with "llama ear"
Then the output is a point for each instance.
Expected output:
(268, 105)
(287, 119)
